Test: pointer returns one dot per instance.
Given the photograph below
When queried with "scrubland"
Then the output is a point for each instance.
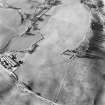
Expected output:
(54, 76)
